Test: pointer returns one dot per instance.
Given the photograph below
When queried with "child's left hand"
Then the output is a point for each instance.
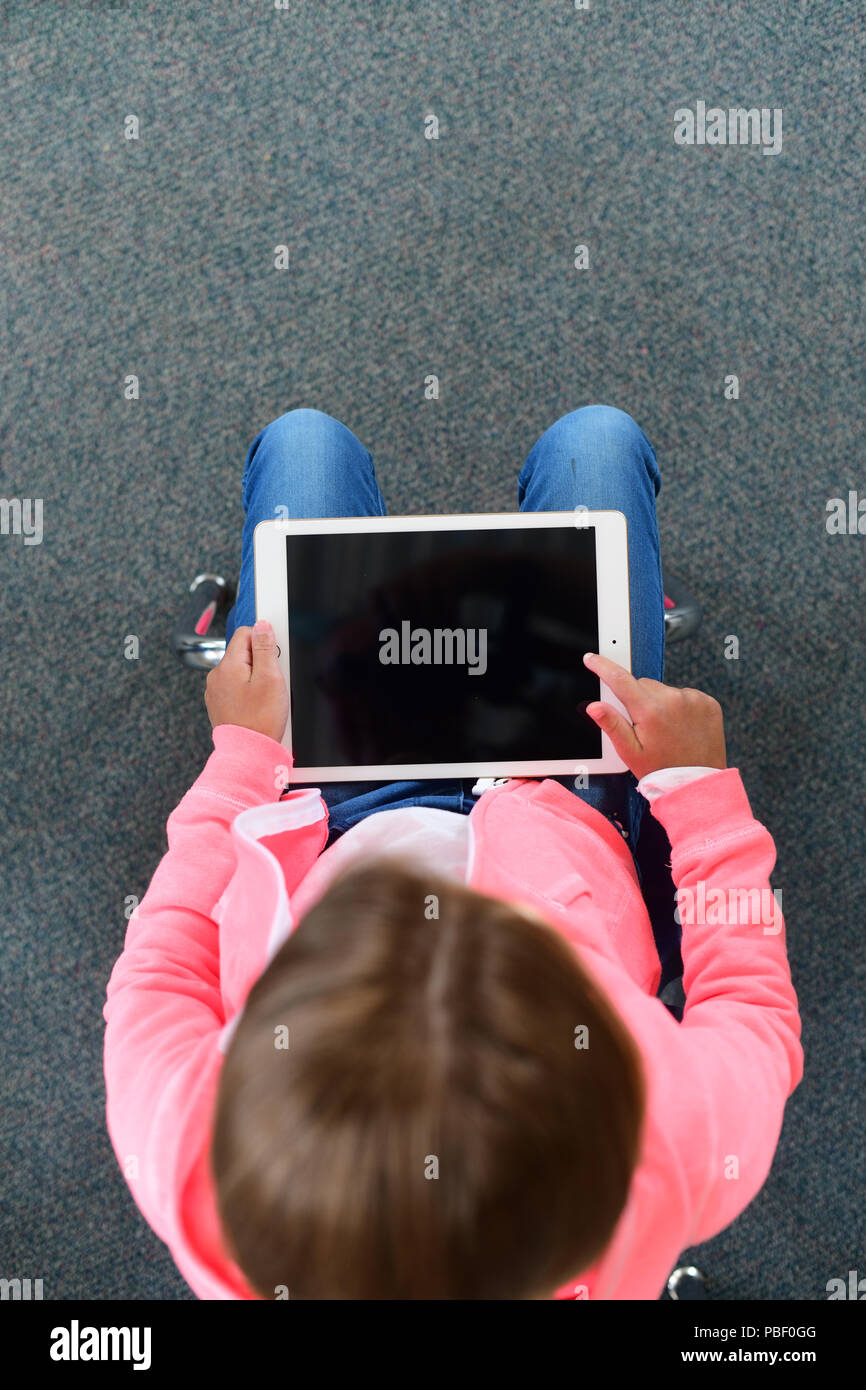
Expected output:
(247, 687)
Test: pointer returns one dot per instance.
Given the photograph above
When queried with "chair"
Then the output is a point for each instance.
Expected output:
(685, 1285)
(195, 637)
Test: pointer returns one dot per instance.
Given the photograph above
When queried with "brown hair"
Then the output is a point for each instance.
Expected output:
(432, 1129)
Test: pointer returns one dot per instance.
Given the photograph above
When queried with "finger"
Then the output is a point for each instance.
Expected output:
(264, 649)
(617, 679)
(618, 730)
(237, 652)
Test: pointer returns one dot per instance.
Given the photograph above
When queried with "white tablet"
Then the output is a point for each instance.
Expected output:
(445, 646)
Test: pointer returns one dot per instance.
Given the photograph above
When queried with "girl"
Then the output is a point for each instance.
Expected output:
(403, 1040)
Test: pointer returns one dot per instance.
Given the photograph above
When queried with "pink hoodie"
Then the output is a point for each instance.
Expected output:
(220, 904)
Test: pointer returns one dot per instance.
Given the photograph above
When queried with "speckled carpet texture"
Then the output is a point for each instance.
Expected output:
(719, 302)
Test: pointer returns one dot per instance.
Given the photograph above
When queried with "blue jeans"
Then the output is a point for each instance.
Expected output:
(307, 464)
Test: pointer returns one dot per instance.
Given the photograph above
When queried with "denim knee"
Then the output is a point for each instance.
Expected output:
(607, 430)
(304, 418)
(303, 432)
(606, 421)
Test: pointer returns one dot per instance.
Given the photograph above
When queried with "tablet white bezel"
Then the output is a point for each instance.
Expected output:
(612, 579)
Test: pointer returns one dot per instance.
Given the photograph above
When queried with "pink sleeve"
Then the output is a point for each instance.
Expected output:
(740, 1054)
(164, 1006)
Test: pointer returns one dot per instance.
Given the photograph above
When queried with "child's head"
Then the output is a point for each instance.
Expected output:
(404, 1112)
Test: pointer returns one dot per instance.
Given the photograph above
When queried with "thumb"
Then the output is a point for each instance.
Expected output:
(618, 730)
(264, 649)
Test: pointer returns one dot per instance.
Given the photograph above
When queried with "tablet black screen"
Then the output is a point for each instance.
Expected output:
(442, 646)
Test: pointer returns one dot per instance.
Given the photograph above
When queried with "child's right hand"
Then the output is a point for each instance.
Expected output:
(247, 688)
(670, 727)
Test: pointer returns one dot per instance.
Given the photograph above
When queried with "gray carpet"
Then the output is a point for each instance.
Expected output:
(411, 257)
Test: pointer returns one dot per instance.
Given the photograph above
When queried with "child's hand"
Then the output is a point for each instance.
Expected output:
(247, 687)
(670, 727)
